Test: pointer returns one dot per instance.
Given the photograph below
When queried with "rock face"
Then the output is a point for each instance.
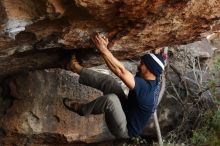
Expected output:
(133, 27)
(38, 110)
(35, 112)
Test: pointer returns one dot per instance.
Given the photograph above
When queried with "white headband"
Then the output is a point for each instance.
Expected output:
(157, 60)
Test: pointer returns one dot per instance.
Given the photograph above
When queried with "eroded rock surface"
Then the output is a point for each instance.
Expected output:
(133, 27)
(38, 111)
(35, 112)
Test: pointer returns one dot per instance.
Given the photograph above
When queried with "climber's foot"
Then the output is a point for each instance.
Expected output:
(73, 106)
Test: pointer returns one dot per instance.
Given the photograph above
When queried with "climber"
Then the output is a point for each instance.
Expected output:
(126, 116)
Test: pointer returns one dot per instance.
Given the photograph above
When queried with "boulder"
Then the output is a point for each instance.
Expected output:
(38, 111)
(38, 114)
(133, 27)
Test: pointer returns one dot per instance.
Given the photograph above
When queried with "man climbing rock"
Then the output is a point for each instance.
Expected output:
(126, 116)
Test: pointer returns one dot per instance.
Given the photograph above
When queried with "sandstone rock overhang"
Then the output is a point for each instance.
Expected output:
(133, 27)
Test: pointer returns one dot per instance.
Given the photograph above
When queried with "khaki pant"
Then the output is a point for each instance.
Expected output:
(110, 103)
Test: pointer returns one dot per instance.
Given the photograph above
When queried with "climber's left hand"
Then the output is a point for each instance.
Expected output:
(101, 42)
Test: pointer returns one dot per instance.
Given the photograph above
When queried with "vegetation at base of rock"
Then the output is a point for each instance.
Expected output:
(136, 141)
(215, 83)
(196, 90)
(209, 131)
(139, 141)
(217, 64)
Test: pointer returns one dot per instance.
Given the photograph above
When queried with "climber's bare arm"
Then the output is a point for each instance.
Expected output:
(113, 64)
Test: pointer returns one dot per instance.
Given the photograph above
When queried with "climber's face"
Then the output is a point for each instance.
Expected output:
(142, 69)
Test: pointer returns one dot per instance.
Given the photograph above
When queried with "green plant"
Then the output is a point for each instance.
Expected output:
(215, 122)
(217, 63)
(138, 141)
(199, 137)
(209, 132)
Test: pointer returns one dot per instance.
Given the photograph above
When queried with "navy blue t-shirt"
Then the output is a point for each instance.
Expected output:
(140, 105)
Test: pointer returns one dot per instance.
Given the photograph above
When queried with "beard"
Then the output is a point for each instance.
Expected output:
(138, 74)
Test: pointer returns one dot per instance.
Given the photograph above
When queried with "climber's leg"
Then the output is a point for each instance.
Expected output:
(106, 83)
(114, 114)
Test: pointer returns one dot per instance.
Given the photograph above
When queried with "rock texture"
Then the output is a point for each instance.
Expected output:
(133, 27)
(35, 114)
(37, 110)
(214, 40)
